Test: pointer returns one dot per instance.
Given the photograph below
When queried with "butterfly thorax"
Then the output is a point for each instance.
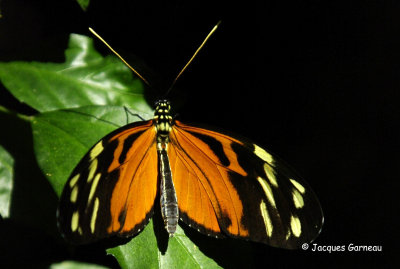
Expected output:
(163, 120)
(168, 199)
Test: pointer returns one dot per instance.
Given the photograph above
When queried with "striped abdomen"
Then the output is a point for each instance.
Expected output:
(168, 200)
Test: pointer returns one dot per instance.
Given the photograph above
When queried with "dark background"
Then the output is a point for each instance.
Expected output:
(316, 82)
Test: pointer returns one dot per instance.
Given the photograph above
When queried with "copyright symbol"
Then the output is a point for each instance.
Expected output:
(304, 246)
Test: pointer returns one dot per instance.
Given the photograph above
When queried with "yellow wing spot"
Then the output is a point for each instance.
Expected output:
(288, 234)
(80, 231)
(75, 221)
(96, 150)
(295, 225)
(74, 194)
(297, 199)
(92, 170)
(73, 180)
(270, 172)
(267, 190)
(94, 215)
(93, 188)
(265, 156)
(267, 219)
(298, 186)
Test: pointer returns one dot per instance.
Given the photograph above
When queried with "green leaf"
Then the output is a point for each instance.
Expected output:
(75, 265)
(6, 181)
(181, 252)
(86, 78)
(29, 229)
(132, 254)
(84, 4)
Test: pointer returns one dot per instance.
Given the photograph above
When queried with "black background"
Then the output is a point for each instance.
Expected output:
(316, 82)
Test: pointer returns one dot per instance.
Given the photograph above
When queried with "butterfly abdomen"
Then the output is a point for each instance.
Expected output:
(168, 200)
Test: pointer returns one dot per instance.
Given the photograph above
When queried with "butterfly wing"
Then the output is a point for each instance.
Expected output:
(230, 186)
(113, 188)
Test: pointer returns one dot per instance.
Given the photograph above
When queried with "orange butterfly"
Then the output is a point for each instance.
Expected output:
(216, 183)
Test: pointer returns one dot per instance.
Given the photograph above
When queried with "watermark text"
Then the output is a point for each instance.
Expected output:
(341, 248)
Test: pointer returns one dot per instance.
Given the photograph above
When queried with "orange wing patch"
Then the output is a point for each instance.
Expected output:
(135, 191)
(193, 196)
(194, 163)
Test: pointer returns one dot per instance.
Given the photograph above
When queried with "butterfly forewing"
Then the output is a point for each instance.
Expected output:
(238, 189)
(113, 188)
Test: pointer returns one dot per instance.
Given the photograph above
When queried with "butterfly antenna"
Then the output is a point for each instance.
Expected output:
(119, 56)
(194, 56)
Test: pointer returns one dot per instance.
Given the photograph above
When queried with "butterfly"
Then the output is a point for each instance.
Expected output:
(220, 184)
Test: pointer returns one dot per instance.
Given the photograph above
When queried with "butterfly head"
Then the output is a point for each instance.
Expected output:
(162, 103)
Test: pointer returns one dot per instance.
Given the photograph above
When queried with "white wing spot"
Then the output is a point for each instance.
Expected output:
(270, 172)
(96, 150)
(295, 225)
(267, 219)
(94, 215)
(73, 180)
(298, 186)
(297, 199)
(267, 190)
(74, 221)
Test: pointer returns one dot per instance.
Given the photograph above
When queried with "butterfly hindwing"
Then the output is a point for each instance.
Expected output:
(113, 188)
(229, 186)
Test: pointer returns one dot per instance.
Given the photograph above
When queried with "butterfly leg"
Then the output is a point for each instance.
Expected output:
(128, 112)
